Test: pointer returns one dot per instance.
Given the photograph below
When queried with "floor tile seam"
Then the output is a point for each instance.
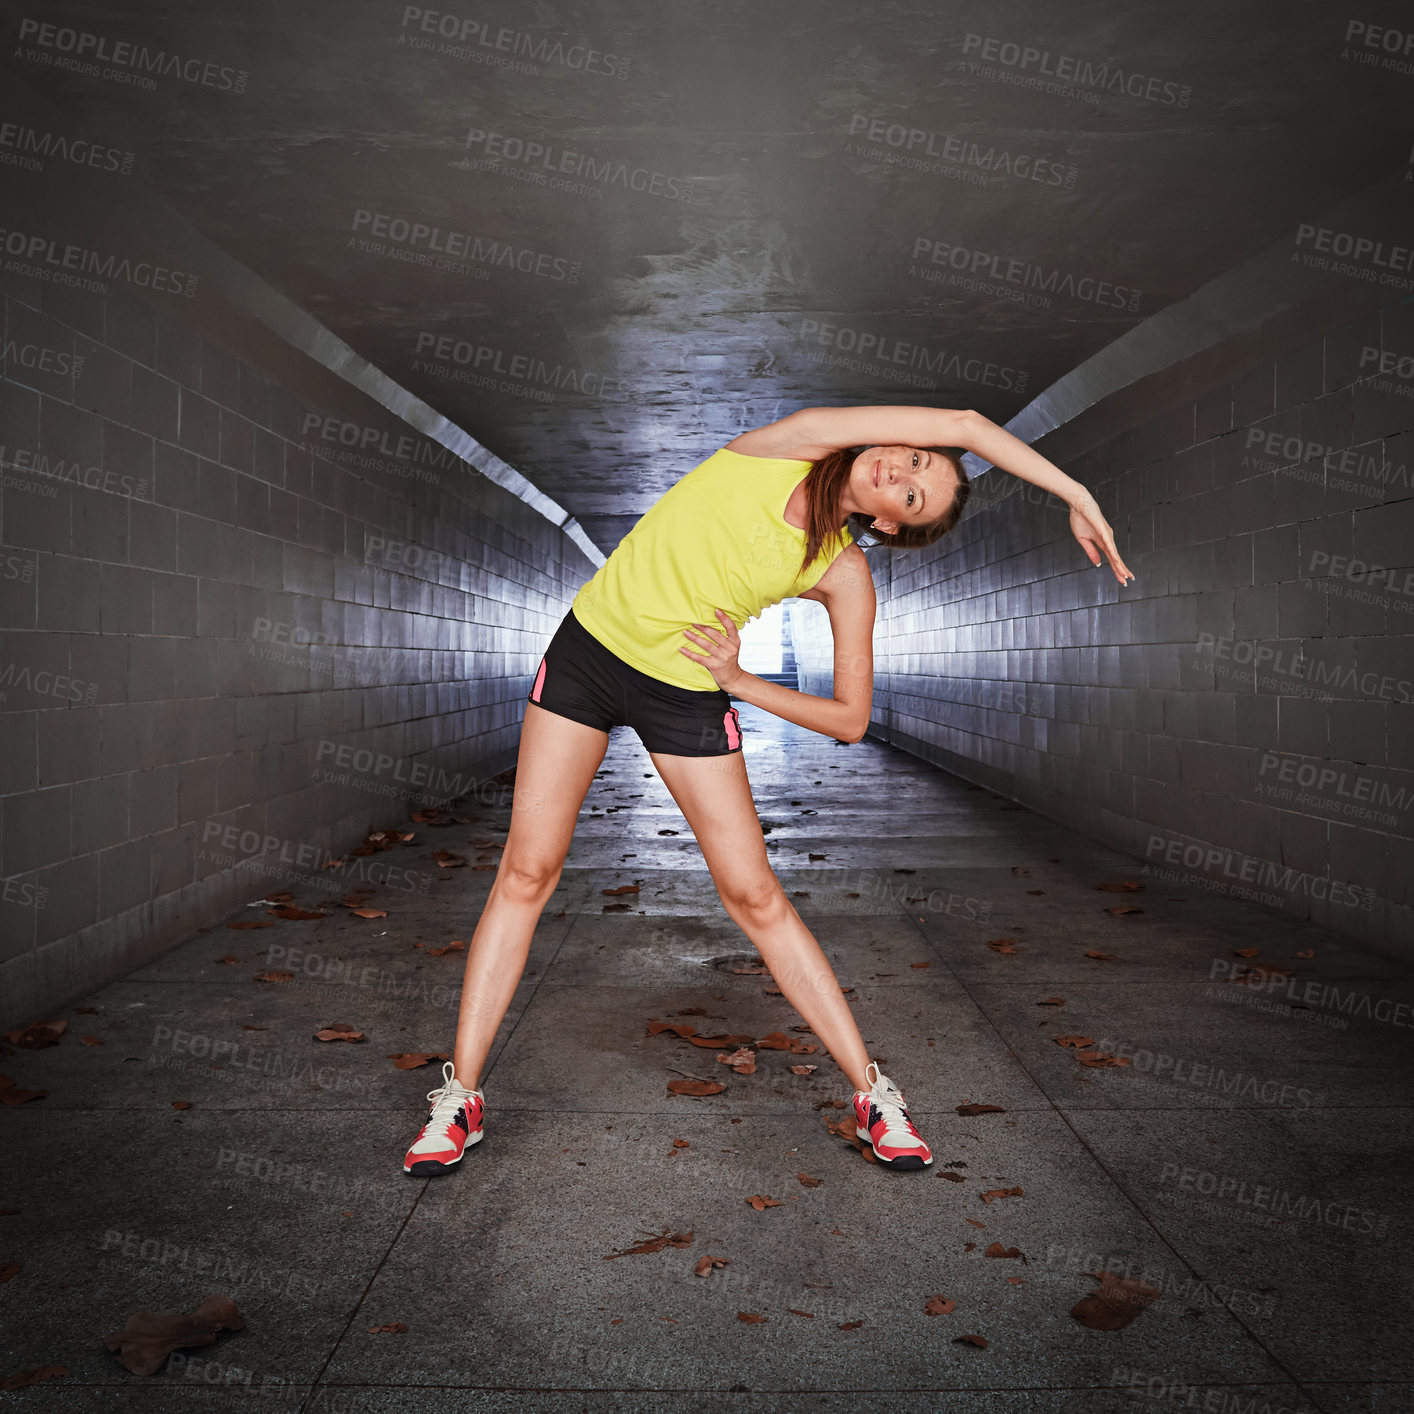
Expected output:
(1119, 1188)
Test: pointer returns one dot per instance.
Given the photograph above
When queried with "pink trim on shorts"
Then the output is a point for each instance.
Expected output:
(729, 721)
(539, 683)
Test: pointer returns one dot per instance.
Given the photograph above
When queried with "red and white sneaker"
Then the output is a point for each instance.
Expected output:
(453, 1125)
(882, 1121)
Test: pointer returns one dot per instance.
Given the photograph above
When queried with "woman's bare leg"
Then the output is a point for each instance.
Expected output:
(557, 762)
(714, 795)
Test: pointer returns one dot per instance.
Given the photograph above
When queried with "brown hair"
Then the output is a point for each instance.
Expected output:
(824, 486)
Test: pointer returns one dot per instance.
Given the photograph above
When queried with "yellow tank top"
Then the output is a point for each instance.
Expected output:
(717, 538)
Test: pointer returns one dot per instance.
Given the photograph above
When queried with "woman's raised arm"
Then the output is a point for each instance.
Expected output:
(812, 433)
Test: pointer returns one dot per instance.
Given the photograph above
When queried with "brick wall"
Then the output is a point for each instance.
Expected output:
(1238, 717)
(210, 610)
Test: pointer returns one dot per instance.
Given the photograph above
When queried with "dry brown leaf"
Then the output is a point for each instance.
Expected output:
(920, 964)
(22, 1379)
(750, 1317)
(1101, 956)
(850, 1326)
(369, 912)
(975, 1109)
(708, 1265)
(806, 1181)
(288, 910)
(802, 1069)
(622, 889)
(227, 960)
(997, 1250)
(979, 1341)
(9, 1270)
(181, 1104)
(1122, 886)
(761, 1202)
(1122, 909)
(37, 1035)
(742, 1060)
(1076, 1042)
(245, 924)
(338, 1031)
(392, 1328)
(974, 1223)
(1115, 1303)
(992, 1193)
(457, 945)
(149, 1337)
(1051, 1001)
(283, 896)
(1005, 946)
(696, 1088)
(274, 976)
(1245, 952)
(412, 1060)
(654, 1243)
(91, 1040)
(939, 1306)
(1309, 952)
(1102, 1058)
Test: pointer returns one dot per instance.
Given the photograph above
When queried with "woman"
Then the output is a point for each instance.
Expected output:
(763, 519)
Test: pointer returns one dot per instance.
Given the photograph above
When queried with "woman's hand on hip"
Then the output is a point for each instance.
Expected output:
(721, 647)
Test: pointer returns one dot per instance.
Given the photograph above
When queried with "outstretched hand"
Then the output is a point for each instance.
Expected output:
(1093, 532)
(722, 647)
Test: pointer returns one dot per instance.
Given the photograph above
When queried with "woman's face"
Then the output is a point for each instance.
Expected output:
(901, 486)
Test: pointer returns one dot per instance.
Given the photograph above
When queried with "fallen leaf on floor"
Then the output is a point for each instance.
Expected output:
(10, 1269)
(458, 945)
(226, 961)
(697, 1088)
(22, 1379)
(1122, 909)
(654, 1243)
(181, 1104)
(1245, 952)
(1051, 1001)
(1101, 1058)
(1003, 945)
(290, 911)
(750, 1317)
(369, 912)
(742, 1060)
(1115, 1303)
(274, 976)
(448, 860)
(920, 964)
(850, 1326)
(392, 1328)
(1310, 952)
(667, 832)
(708, 1265)
(149, 1337)
(975, 1109)
(802, 1069)
(1122, 886)
(968, 1246)
(91, 1040)
(37, 1035)
(339, 1031)
(1076, 1042)
(955, 1177)
(993, 1193)
(248, 923)
(1101, 956)
(1019, 871)
(817, 856)
(413, 1060)
(807, 1182)
(997, 1250)
(622, 889)
(761, 1202)
(977, 1340)
(246, 1026)
(775, 1041)
(939, 1306)
(283, 896)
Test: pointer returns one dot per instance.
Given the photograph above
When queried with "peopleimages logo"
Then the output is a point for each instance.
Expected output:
(1012, 270)
(45, 251)
(430, 241)
(85, 50)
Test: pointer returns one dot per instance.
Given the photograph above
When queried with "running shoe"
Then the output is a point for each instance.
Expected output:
(882, 1121)
(453, 1125)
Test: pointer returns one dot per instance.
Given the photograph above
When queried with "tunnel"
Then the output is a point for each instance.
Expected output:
(376, 379)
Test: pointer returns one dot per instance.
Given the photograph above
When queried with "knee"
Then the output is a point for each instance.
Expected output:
(757, 900)
(527, 880)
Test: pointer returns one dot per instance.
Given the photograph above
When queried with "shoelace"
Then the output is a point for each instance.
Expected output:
(447, 1098)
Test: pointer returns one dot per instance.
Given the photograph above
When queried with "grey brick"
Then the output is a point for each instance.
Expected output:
(105, 386)
(68, 593)
(127, 599)
(36, 829)
(199, 425)
(154, 403)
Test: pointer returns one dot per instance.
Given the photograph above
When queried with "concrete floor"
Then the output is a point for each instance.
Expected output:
(1271, 1217)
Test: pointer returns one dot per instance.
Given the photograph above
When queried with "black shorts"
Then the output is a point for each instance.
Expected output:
(586, 681)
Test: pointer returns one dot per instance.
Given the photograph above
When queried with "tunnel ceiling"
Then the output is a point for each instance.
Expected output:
(606, 238)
